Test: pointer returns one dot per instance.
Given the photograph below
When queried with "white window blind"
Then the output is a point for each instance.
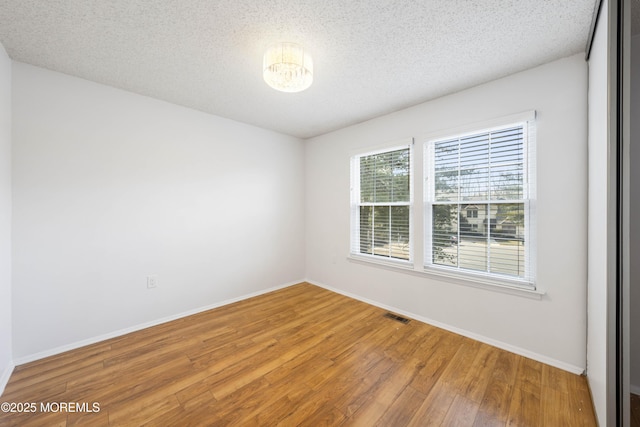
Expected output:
(477, 202)
(381, 198)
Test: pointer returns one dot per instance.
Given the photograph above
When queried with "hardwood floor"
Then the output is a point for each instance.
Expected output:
(298, 356)
(635, 410)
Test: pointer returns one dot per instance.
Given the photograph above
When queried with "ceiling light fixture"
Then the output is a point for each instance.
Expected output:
(287, 67)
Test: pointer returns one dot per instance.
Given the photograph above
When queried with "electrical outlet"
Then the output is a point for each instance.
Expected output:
(152, 281)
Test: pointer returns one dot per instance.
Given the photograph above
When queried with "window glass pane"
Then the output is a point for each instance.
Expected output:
(474, 184)
(390, 231)
(507, 146)
(384, 177)
(471, 219)
(366, 229)
(507, 182)
(445, 235)
(367, 178)
(446, 155)
(474, 173)
(472, 247)
(474, 151)
(400, 184)
(381, 230)
(507, 239)
(399, 237)
(446, 186)
(470, 211)
(446, 170)
(384, 230)
(507, 164)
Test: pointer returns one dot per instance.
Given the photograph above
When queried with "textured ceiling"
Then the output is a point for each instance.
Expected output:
(371, 57)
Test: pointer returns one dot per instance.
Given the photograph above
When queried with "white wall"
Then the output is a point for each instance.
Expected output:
(598, 202)
(6, 364)
(110, 187)
(551, 329)
(634, 312)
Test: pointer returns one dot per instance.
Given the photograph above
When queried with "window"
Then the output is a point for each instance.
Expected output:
(477, 203)
(474, 220)
(381, 198)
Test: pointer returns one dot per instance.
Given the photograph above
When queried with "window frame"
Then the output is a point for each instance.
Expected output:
(527, 120)
(525, 289)
(355, 204)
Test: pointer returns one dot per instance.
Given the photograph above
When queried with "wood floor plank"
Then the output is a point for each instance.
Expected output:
(525, 408)
(130, 384)
(40, 420)
(580, 403)
(555, 378)
(554, 404)
(365, 390)
(247, 400)
(440, 352)
(374, 410)
(635, 410)
(435, 407)
(330, 416)
(402, 409)
(306, 364)
(297, 356)
(477, 377)
(494, 409)
(98, 419)
(42, 391)
(68, 359)
(456, 371)
(462, 412)
(529, 376)
(506, 367)
(136, 412)
(54, 377)
(341, 380)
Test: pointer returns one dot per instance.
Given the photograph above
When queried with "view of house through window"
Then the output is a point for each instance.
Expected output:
(492, 241)
(381, 204)
(477, 202)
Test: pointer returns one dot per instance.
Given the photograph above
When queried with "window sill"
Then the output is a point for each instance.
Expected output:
(382, 262)
(458, 278)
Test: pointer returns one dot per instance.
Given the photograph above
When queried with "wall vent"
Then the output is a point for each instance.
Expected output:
(397, 318)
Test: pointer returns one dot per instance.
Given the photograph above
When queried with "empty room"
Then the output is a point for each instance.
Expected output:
(313, 213)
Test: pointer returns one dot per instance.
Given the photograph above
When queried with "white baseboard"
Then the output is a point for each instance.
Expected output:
(103, 337)
(635, 389)
(504, 346)
(6, 374)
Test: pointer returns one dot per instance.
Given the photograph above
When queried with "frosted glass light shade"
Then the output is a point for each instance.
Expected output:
(287, 67)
